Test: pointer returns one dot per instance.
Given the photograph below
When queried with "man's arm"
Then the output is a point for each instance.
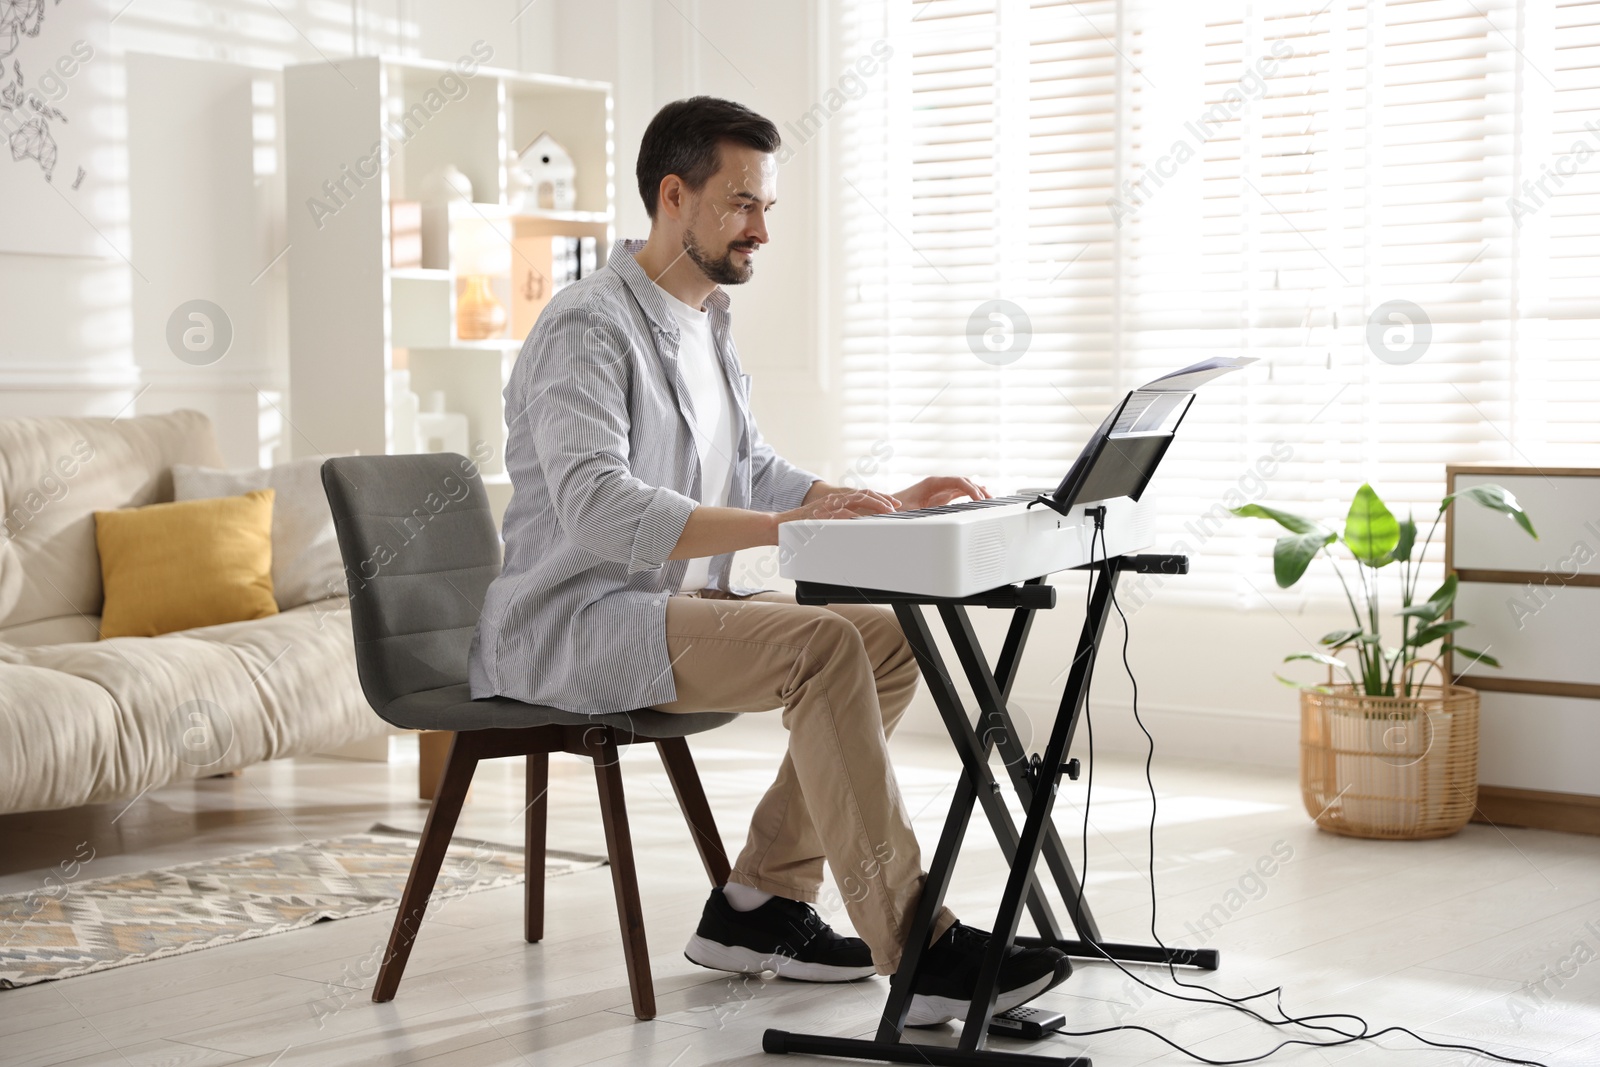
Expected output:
(573, 403)
(775, 482)
(712, 531)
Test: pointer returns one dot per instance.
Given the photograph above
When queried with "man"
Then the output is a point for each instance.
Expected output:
(637, 471)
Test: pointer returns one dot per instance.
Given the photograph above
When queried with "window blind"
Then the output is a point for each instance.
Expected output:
(1345, 191)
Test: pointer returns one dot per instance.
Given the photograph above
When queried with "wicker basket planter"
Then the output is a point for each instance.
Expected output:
(1399, 768)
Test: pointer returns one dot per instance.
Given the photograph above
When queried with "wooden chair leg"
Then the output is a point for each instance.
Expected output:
(602, 746)
(441, 824)
(691, 796)
(433, 750)
(536, 815)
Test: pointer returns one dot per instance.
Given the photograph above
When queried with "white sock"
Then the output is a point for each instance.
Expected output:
(743, 897)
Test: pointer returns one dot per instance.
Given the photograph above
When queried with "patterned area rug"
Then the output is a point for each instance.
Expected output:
(76, 927)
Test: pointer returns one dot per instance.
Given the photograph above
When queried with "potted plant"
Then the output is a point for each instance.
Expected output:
(1381, 753)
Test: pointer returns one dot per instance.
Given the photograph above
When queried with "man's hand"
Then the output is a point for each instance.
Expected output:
(932, 492)
(842, 504)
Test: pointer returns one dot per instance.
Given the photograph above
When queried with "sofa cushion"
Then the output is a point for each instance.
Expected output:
(61, 630)
(184, 564)
(305, 550)
(55, 473)
(98, 721)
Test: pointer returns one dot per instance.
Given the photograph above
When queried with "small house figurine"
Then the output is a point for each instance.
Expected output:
(550, 174)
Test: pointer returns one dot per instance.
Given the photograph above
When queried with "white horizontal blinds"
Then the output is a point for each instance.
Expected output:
(998, 138)
(1555, 208)
(907, 370)
(1189, 246)
(1440, 114)
(1345, 156)
(1256, 179)
(1065, 381)
(1424, 196)
(867, 248)
(952, 62)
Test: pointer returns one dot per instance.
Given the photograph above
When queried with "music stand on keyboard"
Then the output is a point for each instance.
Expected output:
(1119, 460)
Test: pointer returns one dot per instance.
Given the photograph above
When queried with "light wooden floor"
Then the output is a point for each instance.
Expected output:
(1490, 937)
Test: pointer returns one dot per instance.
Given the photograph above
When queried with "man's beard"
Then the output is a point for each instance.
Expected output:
(723, 271)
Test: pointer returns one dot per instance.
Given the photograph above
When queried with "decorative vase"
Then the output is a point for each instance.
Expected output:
(404, 406)
(446, 183)
(478, 314)
(439, 430)
(1400, 768)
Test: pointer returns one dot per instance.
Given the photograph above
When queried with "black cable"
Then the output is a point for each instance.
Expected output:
(1236, 1003)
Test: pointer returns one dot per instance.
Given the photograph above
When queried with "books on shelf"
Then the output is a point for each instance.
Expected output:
(541, 267)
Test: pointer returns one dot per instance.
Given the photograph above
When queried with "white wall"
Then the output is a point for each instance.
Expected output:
(183, 198)
(1206, 685)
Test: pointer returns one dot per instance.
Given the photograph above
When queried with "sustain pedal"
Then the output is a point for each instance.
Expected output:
(1027, 1024)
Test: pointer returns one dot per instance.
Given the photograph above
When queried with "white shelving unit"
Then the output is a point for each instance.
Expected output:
(363, 133)
(1533, 606)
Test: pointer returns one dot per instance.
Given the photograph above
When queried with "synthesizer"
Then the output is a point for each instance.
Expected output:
(959, 549)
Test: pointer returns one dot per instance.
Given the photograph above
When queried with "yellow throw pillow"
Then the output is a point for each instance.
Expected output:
(190, 563)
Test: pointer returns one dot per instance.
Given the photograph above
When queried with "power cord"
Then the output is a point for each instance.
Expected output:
(1310, 1022)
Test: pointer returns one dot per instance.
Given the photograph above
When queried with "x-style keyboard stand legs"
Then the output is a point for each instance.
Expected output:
(1035, 780)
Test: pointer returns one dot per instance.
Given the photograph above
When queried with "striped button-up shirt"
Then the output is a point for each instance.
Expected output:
(604, 473)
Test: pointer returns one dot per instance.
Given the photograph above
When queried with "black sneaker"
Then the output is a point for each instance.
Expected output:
(949, 975)
(784, 936)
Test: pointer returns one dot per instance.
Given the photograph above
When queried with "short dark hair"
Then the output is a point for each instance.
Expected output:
(683, 137)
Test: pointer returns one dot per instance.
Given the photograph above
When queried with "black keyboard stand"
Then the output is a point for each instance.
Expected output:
(1035, 780)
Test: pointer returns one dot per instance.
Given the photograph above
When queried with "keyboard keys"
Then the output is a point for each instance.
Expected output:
(946, 509)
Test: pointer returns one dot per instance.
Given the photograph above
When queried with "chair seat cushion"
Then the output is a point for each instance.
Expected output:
(452, 708)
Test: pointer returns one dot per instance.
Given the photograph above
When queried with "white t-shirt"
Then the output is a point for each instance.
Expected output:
(713, 416)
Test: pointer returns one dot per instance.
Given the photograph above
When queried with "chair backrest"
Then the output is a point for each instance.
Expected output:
(420, 549)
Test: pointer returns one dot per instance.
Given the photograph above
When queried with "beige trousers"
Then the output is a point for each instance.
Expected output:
(843, 676)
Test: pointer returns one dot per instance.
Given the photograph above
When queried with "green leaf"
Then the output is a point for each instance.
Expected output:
(1429, 634)
(1445, 595)
(1293, 554)
(1323, 658)
(1292, 684)
(1473, 658)
(1287, 519)
(1437, 604)
(1408, 540)
(1496, 498)
(1317, 657)
(1371, 531)
(1340, 638)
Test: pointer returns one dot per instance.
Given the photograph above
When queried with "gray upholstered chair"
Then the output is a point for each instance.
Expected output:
(420, 548)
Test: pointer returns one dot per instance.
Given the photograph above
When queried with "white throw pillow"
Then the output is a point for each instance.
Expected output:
(306, 565)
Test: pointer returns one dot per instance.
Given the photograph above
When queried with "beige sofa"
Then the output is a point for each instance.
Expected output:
(83, 720)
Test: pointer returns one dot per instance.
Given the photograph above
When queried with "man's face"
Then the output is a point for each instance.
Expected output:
(726, 221)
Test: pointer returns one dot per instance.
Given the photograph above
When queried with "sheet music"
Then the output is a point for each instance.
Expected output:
(1149, 411)
(1137, 405)
(1195, 375)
